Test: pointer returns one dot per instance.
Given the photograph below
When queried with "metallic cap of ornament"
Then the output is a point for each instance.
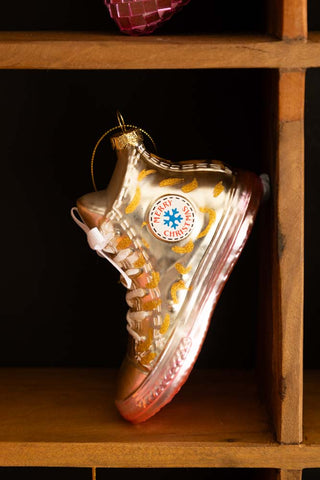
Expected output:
(131, 137)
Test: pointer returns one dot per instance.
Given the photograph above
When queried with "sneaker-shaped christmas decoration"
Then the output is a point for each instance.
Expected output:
(174, 231)
(142, 17)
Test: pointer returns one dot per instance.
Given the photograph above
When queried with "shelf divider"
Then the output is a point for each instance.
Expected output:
(280, 358)
(289, 266)
(288, 19)
(290, 475)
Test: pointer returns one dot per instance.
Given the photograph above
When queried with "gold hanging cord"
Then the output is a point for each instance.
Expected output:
(123, 127)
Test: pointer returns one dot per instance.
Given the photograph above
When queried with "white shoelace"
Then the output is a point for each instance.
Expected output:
(101, 243)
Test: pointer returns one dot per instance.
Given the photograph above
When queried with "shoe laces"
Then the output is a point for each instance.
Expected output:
(102, 243)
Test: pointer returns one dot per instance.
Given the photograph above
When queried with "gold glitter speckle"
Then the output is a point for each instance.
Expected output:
(123, 243)
(186, 249)
(145, 243)
(180, 285)
(190, 186)
(146, 359)
(155, 280)
(219, 188)
(143, 346)
(212, 217)
(144, 173)
(140, 262)
(151, 305)
(170, 181)
(181, 269)
(134, 202)
(165, 324)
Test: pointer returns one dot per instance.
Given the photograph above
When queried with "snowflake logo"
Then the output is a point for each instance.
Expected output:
(172, 219)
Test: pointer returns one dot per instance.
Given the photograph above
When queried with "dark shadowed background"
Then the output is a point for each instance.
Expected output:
(62, 304)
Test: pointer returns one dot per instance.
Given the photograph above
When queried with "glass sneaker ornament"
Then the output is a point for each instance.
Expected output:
(142, 17)
(174, 231)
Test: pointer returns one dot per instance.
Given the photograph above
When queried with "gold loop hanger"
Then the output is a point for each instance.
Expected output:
(123, 126)
(121, 122)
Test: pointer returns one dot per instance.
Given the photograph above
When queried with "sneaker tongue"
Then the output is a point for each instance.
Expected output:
(130, 137)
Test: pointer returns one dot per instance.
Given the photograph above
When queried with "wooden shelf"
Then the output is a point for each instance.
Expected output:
(75, 50)
(74, 409)
(66, 417)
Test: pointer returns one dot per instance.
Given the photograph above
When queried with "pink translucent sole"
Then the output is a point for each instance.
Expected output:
(180, 355)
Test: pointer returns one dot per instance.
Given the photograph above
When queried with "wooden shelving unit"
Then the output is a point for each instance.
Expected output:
(268, 420)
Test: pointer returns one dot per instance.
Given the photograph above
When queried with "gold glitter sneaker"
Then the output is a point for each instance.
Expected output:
(174, 231)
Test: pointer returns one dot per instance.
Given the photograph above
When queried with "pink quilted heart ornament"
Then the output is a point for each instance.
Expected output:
(142, 17)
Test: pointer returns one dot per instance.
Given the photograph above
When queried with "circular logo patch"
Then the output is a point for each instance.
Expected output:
(171, 218)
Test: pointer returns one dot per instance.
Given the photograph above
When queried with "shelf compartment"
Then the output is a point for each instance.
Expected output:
(78, 50)
(52, 288)
(312, 254)
(50, 410)
(313, 15)
(190, 473)
(66, 417)
(311, 474)
(207, 17)
(54, 473)
(245, 94)
(49, 473)
(76, 405)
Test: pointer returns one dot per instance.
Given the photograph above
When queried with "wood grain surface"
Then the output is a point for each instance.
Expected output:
(78, 405)
(280, 339)
(288, 19)
(290, 475)
(289, 263)
(78, 50)
(294, 19)
(66, 417)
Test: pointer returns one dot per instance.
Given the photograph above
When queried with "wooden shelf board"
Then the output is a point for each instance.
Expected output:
(288, 265)
(78, 405)
(66, 417)
(58, 410)
(80, 50)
